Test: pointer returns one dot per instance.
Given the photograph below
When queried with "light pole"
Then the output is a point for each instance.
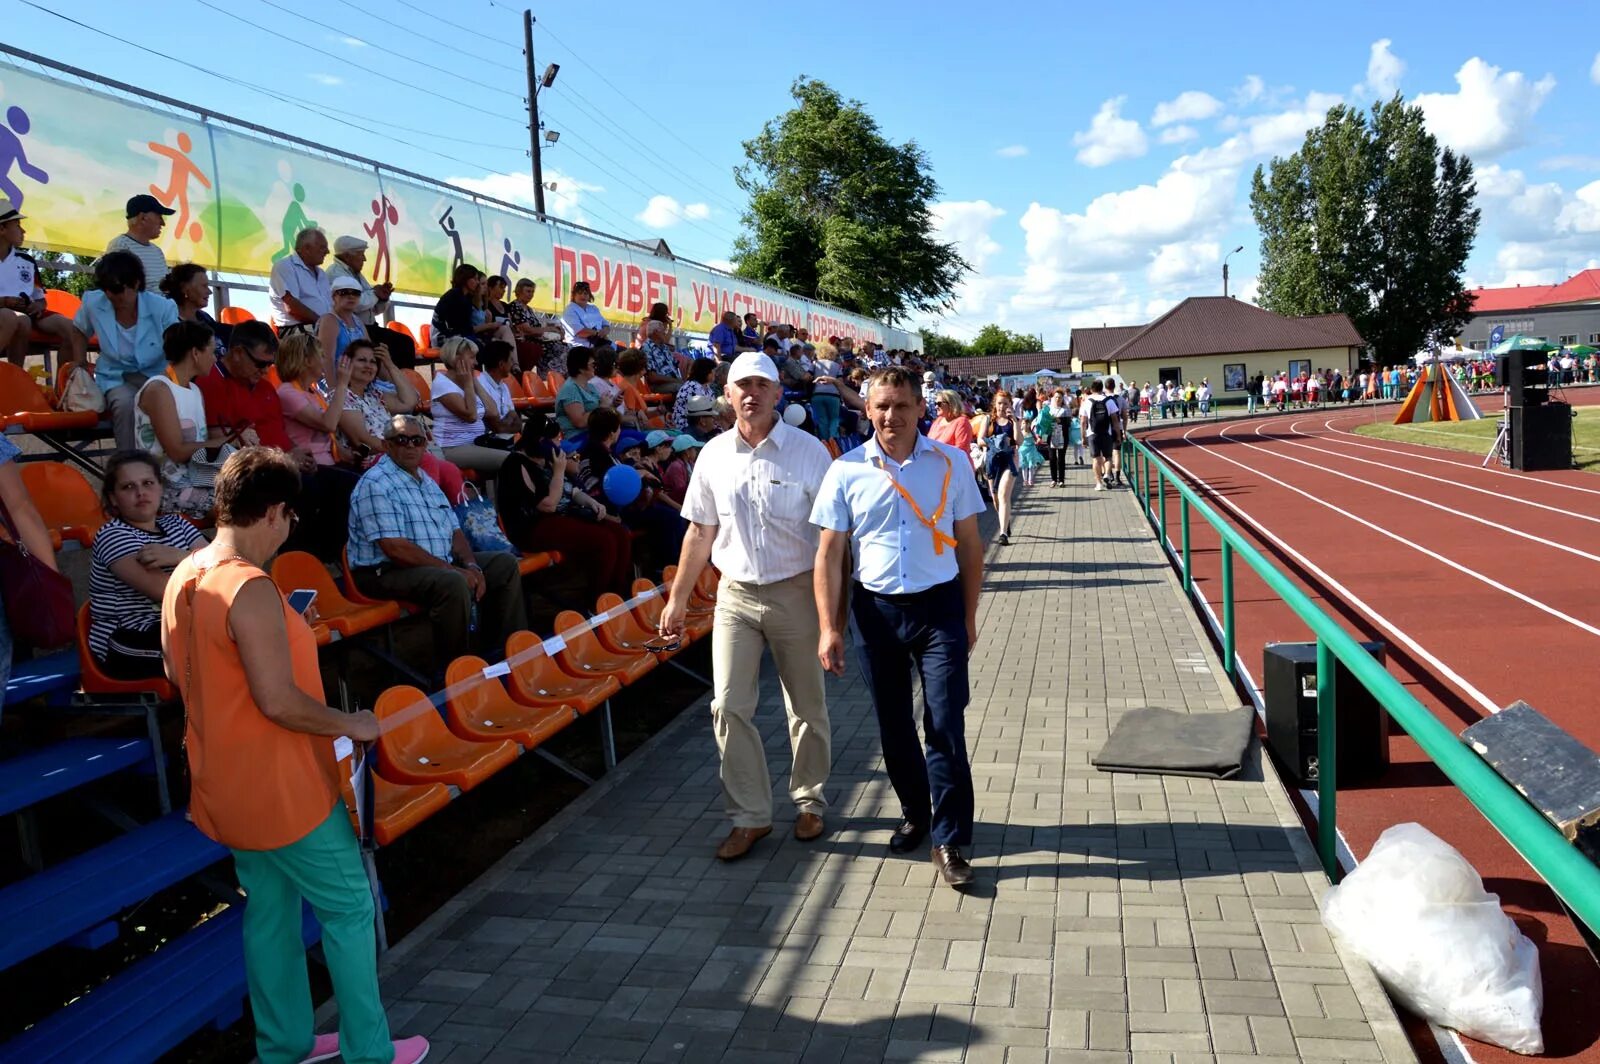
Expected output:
(1225, 259)
(534, 85)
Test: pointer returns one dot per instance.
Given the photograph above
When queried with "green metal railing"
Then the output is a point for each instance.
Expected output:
(1574, 879)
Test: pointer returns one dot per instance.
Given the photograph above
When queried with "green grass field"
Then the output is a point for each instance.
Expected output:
(1476, 436)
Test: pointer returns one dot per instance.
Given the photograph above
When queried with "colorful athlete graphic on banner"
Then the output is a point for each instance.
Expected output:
(75, 155)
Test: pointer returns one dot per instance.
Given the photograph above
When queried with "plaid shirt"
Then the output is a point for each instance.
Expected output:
(390, 503)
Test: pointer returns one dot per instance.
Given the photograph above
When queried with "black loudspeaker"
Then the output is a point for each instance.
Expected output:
(1289, 674)
(1526, 377)
(1541, 436)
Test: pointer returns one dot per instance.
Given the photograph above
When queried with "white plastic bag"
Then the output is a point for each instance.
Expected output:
(1417, 912)
(81, 392)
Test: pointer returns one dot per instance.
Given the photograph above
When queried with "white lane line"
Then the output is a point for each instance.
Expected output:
(1394, 630)
(1295, 428)
(1399, 447)
(1452, 563)
(1553, 544)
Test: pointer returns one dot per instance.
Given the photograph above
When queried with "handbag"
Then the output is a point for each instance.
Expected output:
(38, 600)
(203, 469)
(481, 522)
(81, 391)
(495, 441)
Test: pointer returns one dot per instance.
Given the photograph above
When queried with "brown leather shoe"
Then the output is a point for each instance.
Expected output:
(739, 841)
(952, 866)
(807, 826)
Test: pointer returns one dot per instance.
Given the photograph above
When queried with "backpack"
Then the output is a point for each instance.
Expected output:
(1099, 416)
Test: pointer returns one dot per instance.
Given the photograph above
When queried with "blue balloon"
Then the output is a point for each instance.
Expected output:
(621, 484)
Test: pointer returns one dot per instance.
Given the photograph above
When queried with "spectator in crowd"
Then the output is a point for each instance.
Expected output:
(496, 362)
(337, 328)
(659, 312)
(169, 419)
(951, 425)
(702, 417)
(596, 457)
(826, 405)
(582, 322)
(187, 285)
(544, 510)
(22, 305)
(539, 346)
(1057, 435)
(454, 314)
(750, 338)
(1101, 419)
(658, 452)
(129, 323)
(662, 373)
(349, 259)
(460, 400)
(496, 324)
(30, 530)
(748, 501)
(1202, 395)
(242, 402)
(134, 552)
(405, 544)
(917, 577)
(578, 397)
(680, 467)
(726, 339)
(793, 372)
(1002, 434)
(605, 368)
(631, 389)
(146, 218)
(309, 418)
(301, 291)
(368, 410)
(265, 776)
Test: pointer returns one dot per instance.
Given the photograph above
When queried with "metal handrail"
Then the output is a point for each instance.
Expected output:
(1573, 878)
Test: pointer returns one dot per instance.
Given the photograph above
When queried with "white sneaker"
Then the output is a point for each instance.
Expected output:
(1099, 485)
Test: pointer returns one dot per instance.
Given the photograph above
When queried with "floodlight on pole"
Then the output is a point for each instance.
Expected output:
(1225, 258)
(549, 77)
(551, 136)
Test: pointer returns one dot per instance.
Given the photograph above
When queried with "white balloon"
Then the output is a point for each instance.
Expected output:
(794, 414)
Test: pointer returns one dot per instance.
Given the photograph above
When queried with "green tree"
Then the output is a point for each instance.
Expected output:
(940, 347)
(993, 340)
(51, 276)
(1373, 219)
(838, 212)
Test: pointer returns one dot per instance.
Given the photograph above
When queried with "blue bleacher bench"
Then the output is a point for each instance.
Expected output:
(60, 767)
(53, 674)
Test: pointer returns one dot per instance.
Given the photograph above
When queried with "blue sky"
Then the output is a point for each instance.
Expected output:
(1094, 160)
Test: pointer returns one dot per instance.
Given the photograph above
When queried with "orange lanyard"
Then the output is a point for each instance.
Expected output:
(941, 539)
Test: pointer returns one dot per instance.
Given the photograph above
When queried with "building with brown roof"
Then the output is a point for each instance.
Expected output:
(1227, 341)
(1566, 313)
(1005, 365)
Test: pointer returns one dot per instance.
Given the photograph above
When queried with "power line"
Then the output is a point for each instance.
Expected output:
(339, 58)
(455, 25)
(620, 169)
(475, 57)
(389, 52)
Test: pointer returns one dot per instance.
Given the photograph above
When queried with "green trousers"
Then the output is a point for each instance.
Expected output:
(324, 868)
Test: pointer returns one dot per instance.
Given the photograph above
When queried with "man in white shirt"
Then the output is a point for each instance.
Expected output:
(1100, 418)
(146, 218)
(301, 291)
(22, 306)
(748, 504)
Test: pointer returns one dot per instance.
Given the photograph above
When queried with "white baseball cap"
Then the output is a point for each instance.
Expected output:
(753, 364)
(344, 283)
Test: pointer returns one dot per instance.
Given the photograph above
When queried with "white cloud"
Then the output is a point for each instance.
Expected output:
(1013, 151)
(1250, 90)
(1594, 71)
(1384, 69)
(1191, 106)
(1184, 263)
(1570, 162)
(326, 79)
(1260, 136)
(1110, 137)
(351, 42)
(968, 224)
(1489, 113)
(1582, 215)
(1178, 134)
(663, 212)
(564, 202)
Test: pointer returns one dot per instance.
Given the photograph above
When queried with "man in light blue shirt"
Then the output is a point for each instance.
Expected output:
(299, 289)
(908, 506)
(725, 337)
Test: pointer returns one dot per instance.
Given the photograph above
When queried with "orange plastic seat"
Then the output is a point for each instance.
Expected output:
(584, 656)
(296, 569)
(396, 807)
(425, 341)
(540, 397)
(69, 506)
(536, 679)
(403, 329)
(25, 404)
(62, 302)
(532, 563)
(648, 613)
(697, 608)
(484, 713)
(94, 681)
(422, 750)
(235, 316)
(621, 632)
(555, 381)
(424, 389)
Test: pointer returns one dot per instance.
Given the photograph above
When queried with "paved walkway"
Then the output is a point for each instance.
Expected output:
(1119, 918)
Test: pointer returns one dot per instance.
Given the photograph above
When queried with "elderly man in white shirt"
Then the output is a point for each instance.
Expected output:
(301, 291)
(748, 504)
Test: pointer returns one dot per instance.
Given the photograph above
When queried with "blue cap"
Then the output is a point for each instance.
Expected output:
(657, 438)
(684, 443)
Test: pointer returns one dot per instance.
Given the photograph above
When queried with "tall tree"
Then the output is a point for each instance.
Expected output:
(838, 212)
(994, 340)
(938, 346)
(1373, 219)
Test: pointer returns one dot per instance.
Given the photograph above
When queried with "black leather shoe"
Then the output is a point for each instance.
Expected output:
(952, 866)
(907, 838)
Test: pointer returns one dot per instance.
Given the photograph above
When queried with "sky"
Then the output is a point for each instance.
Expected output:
(1094, 161)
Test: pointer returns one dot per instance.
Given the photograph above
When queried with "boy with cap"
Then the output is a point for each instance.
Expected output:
(146, 218)
(748, 502)
(22, 307)
(675, 474)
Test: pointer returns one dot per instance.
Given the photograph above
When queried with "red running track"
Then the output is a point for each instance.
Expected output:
(1483, 583)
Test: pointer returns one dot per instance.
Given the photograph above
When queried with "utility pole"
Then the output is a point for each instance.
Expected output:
(533, 114)
(1225, 258)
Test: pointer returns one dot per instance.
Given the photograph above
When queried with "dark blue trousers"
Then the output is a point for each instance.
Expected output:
(926, 632)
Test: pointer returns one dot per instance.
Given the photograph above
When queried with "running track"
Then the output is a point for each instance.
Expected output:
(1483, 583)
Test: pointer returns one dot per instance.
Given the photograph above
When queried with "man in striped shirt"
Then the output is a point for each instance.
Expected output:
(146, 218)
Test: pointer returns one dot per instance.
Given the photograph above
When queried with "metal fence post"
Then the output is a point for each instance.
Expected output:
(1161, 485)
(1229, 650)
(1327, 763)
(1188, 567)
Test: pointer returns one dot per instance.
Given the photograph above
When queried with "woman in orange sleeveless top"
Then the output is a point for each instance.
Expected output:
(265, 779)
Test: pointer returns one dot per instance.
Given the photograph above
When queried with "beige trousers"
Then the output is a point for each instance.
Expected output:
(782, 616)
